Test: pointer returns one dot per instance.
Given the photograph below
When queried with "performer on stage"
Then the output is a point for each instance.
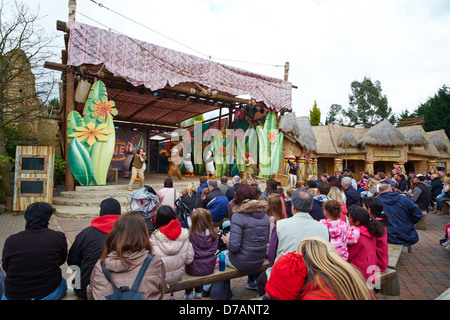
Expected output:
(292, 174)
(188, 165)
(248, 171)
(209, 165)
(173, 167)
(137, 167)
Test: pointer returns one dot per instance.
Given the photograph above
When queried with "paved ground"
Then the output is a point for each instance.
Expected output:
(424, 273)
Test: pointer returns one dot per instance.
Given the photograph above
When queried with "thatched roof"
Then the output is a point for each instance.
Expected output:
(347, 140)
(288, 123)
(383, 134)
(440, 145)
(415, 137)
(306, 134)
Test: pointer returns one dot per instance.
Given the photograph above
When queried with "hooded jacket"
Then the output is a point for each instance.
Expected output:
(362, 254)
(204, 254)
(249, 234)
(403, 215)
(153, 283)
(88, 247)
(171, 243)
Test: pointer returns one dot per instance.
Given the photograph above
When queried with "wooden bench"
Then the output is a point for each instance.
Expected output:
(189, 282)
(390, 284)
(446, 207)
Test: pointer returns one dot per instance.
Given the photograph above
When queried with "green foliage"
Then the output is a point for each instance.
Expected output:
(436, 111)
(314, 115)
(367, 106)
(59, 170)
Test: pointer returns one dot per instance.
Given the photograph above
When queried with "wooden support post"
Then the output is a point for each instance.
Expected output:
(69, 106)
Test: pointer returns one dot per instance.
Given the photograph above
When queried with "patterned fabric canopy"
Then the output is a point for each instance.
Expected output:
(142, 63)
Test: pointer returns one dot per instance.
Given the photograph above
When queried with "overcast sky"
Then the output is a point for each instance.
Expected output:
(404, 44)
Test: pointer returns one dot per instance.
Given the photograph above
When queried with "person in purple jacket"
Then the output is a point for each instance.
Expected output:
(249, 234)
(204, 240)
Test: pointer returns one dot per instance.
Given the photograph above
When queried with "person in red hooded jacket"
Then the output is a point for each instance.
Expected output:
(315, 271)
(363, 254)
(90, 242)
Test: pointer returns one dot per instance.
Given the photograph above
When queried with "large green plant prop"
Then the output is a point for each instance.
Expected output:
(246, 145)
(270, 146)
(92, 138)
(219, 147)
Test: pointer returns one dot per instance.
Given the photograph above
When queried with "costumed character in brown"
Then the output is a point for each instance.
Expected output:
(173, 167)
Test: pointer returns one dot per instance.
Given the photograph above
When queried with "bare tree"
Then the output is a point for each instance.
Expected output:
(25, 86)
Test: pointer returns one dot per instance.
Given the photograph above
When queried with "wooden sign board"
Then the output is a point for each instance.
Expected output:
(33, 177)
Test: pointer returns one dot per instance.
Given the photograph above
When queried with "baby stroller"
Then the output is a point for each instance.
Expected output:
(146, 201)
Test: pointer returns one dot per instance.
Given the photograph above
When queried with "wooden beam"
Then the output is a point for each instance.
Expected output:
(69, 106)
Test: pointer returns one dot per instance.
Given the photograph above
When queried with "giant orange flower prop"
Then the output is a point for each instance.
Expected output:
(91, 133)
(102, 107)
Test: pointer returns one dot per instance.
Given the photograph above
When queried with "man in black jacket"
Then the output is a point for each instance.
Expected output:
(421, 196)
(90, 242)
(353, 196)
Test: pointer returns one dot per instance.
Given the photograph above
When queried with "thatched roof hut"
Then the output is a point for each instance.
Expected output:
(415, 137)
(306, 134)
(383, 134)
(347, 140)
(288, 124)
(439, 144)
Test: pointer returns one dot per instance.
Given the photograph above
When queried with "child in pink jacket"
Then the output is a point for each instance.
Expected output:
(363, 254)
(341, 234)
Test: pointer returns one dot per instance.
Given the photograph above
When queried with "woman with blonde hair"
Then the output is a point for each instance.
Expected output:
(315, 271)
(335, 194)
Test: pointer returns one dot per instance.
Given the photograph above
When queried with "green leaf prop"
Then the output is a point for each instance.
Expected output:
(80, 163)
(102, 153)
(270, 146)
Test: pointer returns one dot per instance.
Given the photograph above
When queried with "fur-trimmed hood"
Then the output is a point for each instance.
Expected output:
(251, 206)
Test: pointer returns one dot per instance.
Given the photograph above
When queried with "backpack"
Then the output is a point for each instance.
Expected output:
(124, 293)
(183, 212)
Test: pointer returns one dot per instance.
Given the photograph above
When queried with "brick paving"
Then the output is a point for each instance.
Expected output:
(424, 272)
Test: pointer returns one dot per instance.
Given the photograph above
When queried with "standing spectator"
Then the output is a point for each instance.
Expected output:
(224, 186)
(421, 196)
(126, 249)
(32, 258)
(90, 242)
(403, 215)
(168, 195)
(352, 195)
(362, 254)
(249, 234)
(288, 233)
(171, 242)
(216, 202)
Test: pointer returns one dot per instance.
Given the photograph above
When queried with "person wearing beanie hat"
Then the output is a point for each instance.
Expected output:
(287, 278)
(89, 243)
(171, 242)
